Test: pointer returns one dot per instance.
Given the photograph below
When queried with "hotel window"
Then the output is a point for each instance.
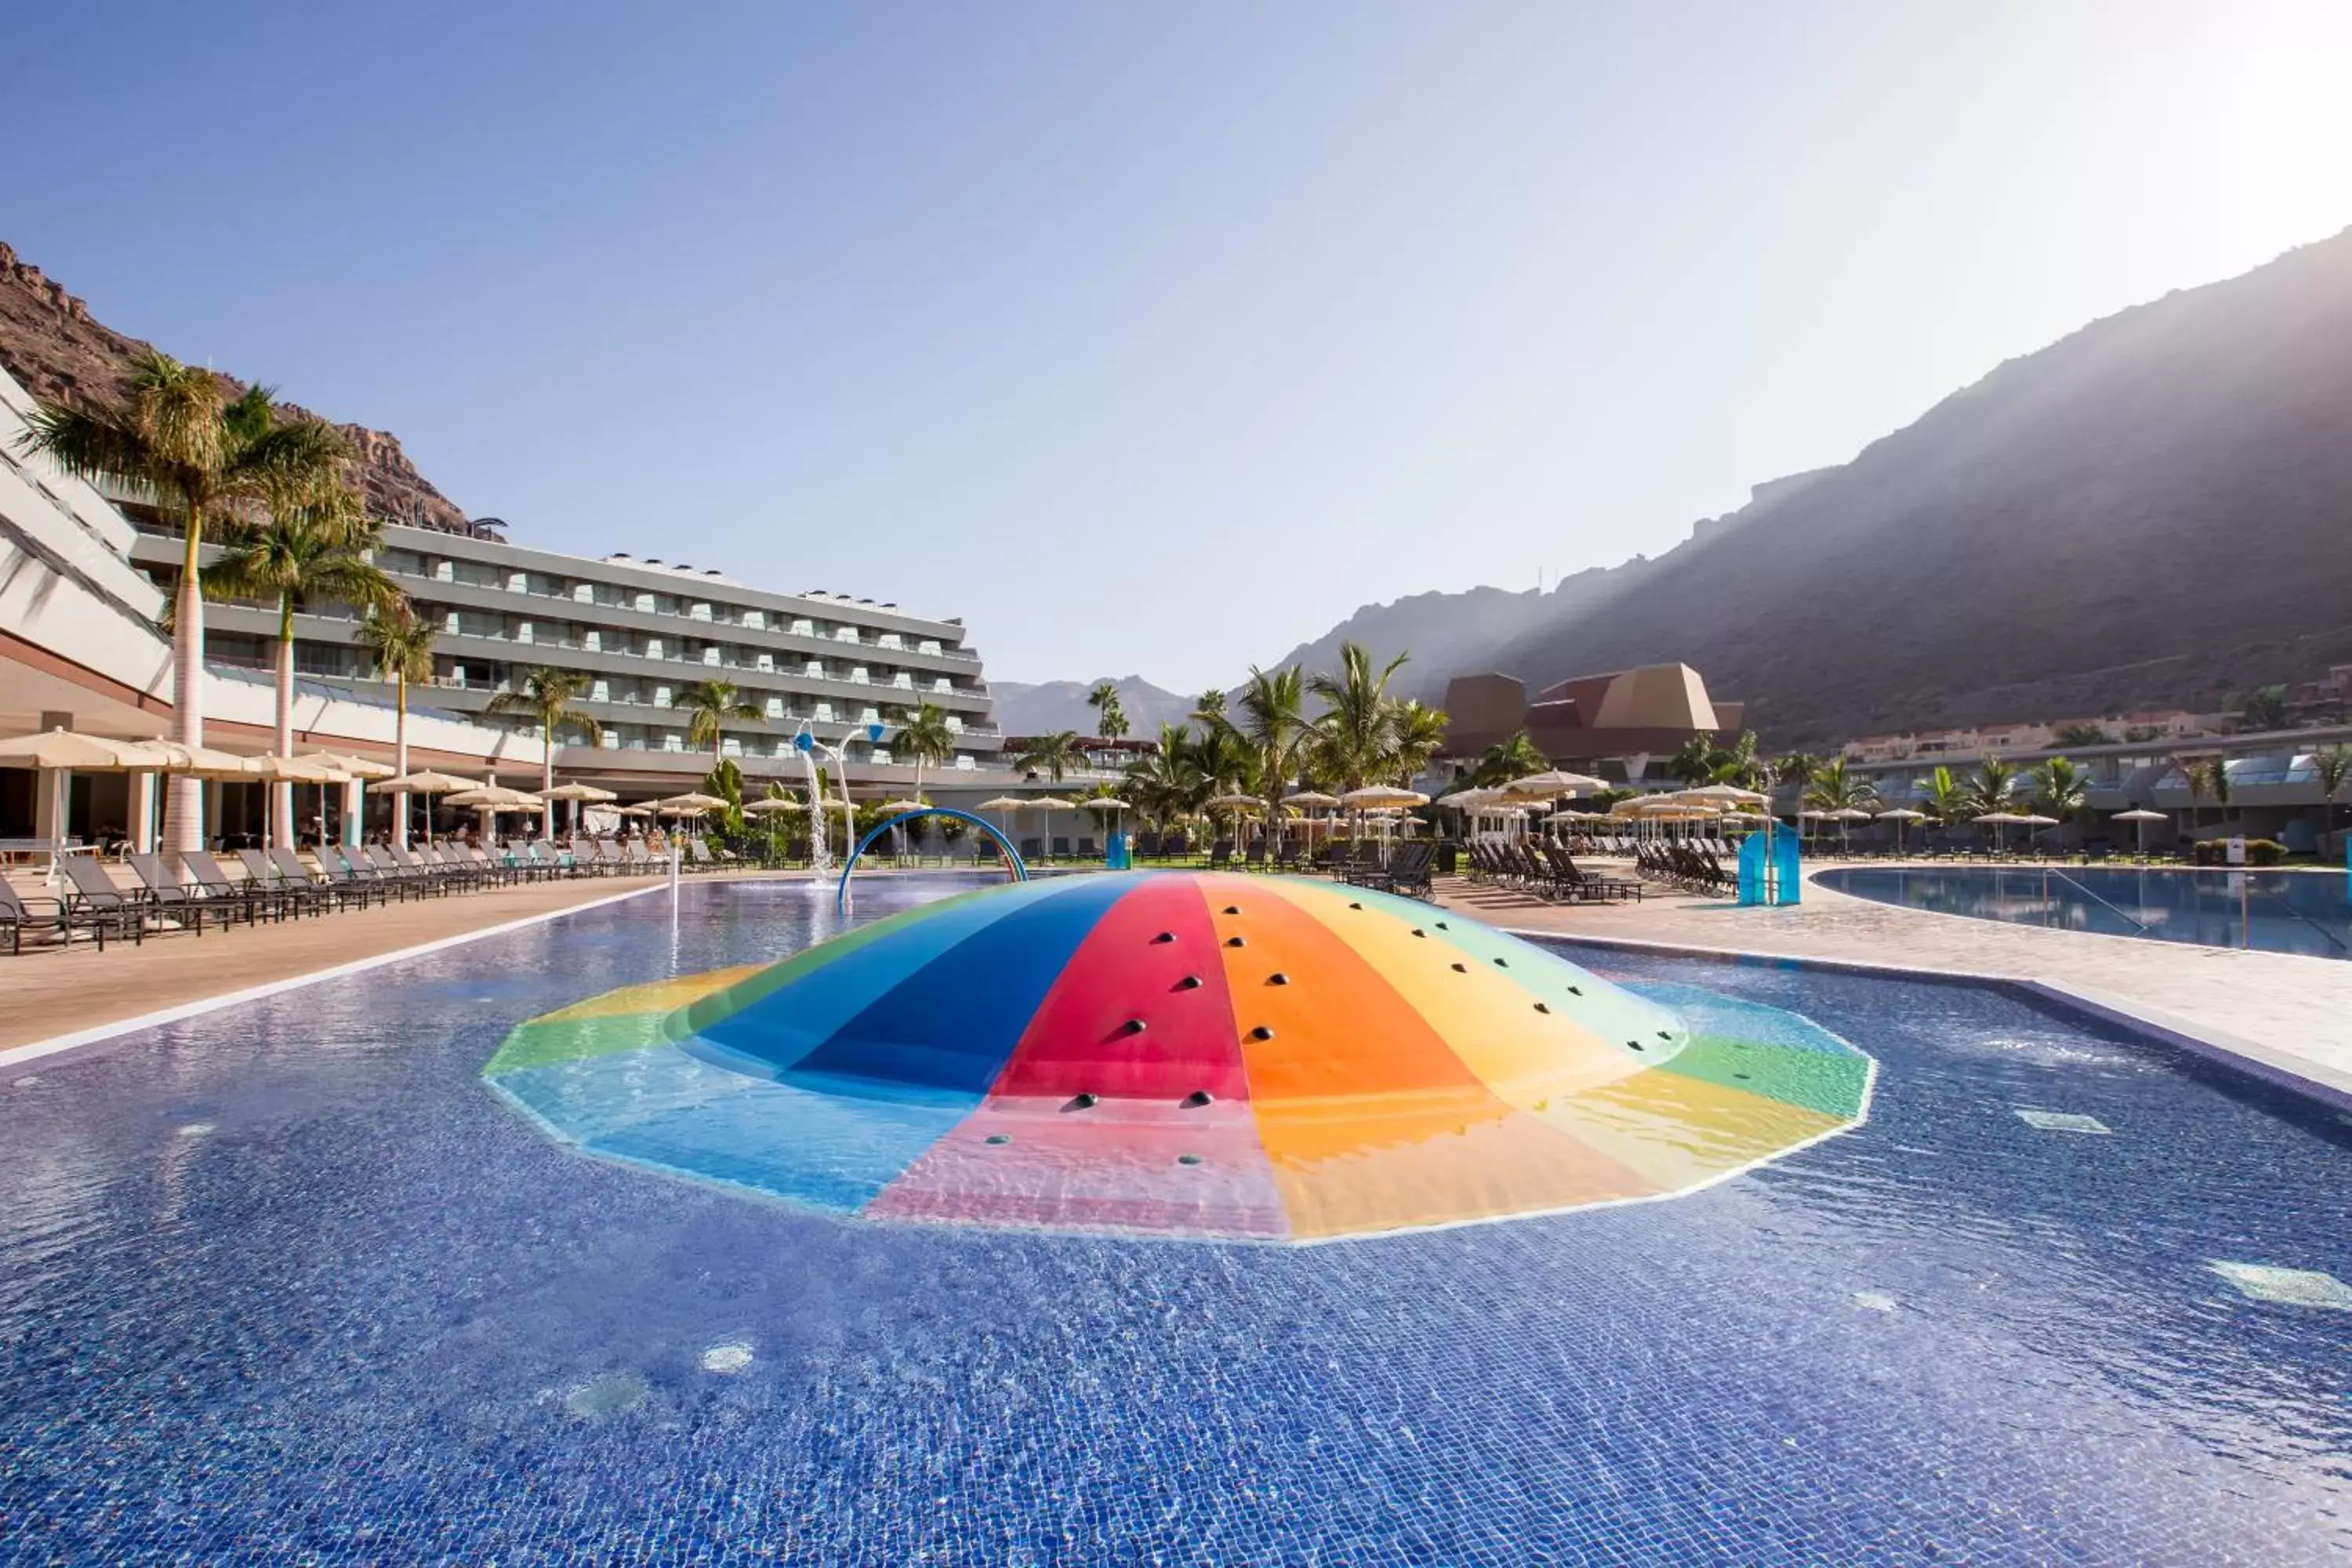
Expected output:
(824, 712)
(698, 612)
(653, 647)
(813, 669)
(955, 723)
(645, 604)
(583, 592)
(518, 582)
(775, 708)
(444, 570)
(930, 646)
(765, 663)
(754, 620)
(661, 696)
(672, 741)
(857, 675)
(881, 756)
(803, 628)
(891, 640)
(845, 634)
(731, 747)
(964, 763)
(600, 691)
(592, 641)
(710, 653)
(943, 684)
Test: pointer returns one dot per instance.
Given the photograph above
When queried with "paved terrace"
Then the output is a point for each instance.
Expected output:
(2289, 1012)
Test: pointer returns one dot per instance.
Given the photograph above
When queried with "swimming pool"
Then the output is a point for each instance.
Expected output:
(2283, 911)
(289, 1282)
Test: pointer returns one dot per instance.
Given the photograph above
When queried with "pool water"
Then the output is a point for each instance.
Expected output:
(2283, 911)
(288, 1283)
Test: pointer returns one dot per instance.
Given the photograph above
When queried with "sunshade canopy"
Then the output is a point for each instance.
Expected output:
(425, 782)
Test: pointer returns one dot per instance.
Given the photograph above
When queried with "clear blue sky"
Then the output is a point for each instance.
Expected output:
(1151, 339)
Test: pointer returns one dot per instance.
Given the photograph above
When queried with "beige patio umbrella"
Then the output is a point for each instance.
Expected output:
(1383, 795)
(1551, 786)
(692, 803)
(356, 767)
(1007, 804)
(579, 795)
(1902, 816)
(2140, 817)
(424, 782)
(1721, 794)
(1049, 804)
(492, 801)
(272, 768)
(59, 753)
(1999, 820)
(769, 807)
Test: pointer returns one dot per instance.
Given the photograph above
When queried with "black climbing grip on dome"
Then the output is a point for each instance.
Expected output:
(1277, 978)
(1576, 991)
(1441, 925)
(1086, 1101)
(1633, 1045)
(1418, 932)
(1189, 983)
(1261, 1033)
(1236, 941)
(1502, 964)
(1187, 1159)
(1543, 1006)
(1199, 1097)
(999, 1137)
(1460, 968)
(1136, 1025)
(1353, 905)
(1233, 909)
(1665, 1033)
(1165, 936)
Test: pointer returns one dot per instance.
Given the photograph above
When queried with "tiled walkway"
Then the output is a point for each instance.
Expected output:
(2289, 1011)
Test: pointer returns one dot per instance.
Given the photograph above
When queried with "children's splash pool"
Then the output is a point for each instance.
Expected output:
(289, 1282)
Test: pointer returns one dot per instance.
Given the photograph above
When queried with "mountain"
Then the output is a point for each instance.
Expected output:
(50, 344)
(1025, 708)
(1463, 633)
(2155, 510)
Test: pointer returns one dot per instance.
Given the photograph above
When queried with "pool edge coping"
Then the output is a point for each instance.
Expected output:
(97, 1033)
(2279, 1070)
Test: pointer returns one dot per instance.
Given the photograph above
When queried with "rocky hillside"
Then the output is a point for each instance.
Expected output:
(50, 344)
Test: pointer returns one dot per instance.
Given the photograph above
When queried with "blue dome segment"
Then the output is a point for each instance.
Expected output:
(768, 1024)
(954, 1025)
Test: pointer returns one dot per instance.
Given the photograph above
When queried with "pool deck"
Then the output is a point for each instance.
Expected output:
(47, 994)
(2288, 1013)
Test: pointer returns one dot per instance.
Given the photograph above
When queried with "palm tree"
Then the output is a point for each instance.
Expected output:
(1835, 787)
(1994, 787)
(2199, 778)
(1052, 755)
(926, 739)
(203, 458)
(1166, 783)
(1111, 720)
(1695, 763)
(1948, 799)
(1507, 760)
(1209, 709)
(710, 705)
(1796, 768)
(1741, 765)
(312, 550)
(2060, 788)
(2331, 767)
(400, 646)
(547, 695)
(1273, 724)
(2082, 735)
(1355, 736)
(1419, 737)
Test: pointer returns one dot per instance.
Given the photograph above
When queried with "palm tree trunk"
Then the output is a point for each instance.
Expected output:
(546, 780)
(400, 762)
(187, 796)
(281, 795)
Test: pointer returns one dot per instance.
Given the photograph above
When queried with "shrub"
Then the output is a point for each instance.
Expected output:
(2259, 852)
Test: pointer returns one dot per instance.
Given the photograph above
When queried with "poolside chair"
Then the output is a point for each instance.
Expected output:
(1221, 855)
(19, 918)
(182, 904)
(639, 859)
(1177, 845)
(345, 879)
(699, 853)
(95, 901)
(220, 887)
(295, 898)
(293, 872)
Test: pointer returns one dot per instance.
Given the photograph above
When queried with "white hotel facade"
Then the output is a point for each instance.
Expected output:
(81, 645)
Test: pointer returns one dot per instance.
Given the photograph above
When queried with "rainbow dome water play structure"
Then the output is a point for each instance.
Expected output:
(1182, 1054)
